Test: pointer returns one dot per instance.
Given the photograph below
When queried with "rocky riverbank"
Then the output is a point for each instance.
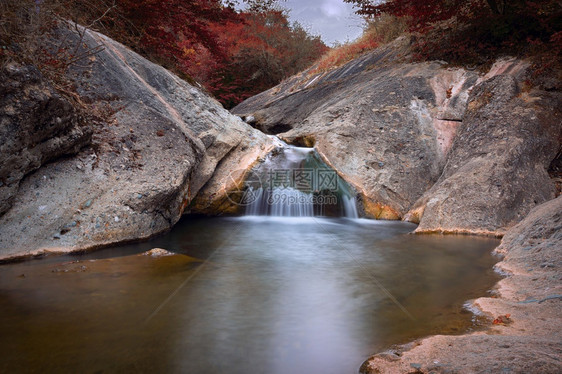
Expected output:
(527, 330)
(452, 149)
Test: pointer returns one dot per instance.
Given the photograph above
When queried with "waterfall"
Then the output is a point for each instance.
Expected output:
(295, 182)
(350, 206)
(281, 202)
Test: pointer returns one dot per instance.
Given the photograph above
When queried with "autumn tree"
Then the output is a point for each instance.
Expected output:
(234, 54)
(474, 30)
(262, 50)
(260, 6)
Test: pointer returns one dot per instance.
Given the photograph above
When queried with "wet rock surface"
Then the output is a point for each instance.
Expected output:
(159, 145)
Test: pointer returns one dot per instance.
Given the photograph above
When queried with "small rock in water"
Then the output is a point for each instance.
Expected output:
(157, 252)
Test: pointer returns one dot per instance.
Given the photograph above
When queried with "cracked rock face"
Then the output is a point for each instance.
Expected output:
(37, 125)
(158, 146)
(496, 170)
(451, 149)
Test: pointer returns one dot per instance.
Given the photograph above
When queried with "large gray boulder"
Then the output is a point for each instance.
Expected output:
(157, 144)
(496, 171)
(37, 125)
(385, 126)
(394, 129)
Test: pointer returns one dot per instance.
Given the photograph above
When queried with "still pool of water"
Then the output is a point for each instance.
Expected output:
(244, 295)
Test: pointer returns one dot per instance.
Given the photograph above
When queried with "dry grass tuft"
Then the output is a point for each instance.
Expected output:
(379, 31)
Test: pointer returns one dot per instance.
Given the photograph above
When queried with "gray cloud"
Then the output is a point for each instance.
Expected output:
(333, 20)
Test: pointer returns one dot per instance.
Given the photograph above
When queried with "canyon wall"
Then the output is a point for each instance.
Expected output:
(151, 142)
(455, 150)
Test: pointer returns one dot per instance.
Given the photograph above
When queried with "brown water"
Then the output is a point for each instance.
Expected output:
(244, 295)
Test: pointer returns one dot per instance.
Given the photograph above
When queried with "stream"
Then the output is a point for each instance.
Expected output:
(281, 290)
(246, 295)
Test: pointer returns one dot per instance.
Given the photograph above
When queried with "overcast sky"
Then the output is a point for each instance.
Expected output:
(333, 20)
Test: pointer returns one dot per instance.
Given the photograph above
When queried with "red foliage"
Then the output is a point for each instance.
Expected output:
(474, 30)
(170, 29)
(234, 55)
(262, 49)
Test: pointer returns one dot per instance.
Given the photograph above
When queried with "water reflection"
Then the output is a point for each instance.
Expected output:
(271, 295)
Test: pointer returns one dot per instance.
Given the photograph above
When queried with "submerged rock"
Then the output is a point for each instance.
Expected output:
(157, 252)
(158, 137)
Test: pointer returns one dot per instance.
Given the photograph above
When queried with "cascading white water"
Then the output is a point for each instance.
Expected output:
(350, 206)
(295, 182)
(281, 202)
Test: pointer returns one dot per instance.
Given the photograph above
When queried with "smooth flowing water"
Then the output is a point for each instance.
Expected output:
(243, 295)
(295, 182)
